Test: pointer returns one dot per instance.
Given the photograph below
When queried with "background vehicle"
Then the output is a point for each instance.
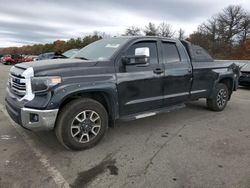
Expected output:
(70, 53)
(55, 55)
(33, 57)
(49, 55)
(14, 59)
(245, 76)
(1, 58)
(118, 78)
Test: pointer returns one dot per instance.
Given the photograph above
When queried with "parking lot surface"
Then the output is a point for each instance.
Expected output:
(192, 147)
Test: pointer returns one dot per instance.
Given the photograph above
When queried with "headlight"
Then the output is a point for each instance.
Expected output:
(42, 84)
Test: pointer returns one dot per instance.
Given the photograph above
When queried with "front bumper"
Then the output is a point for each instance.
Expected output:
(29, 118)
(38, 120)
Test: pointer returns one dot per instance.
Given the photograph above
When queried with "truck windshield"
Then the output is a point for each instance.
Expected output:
(100, 50)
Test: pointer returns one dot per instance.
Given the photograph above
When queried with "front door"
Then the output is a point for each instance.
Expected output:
(140, 87)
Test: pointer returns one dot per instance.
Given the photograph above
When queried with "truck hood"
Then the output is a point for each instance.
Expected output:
(55, 63)
(66, 67)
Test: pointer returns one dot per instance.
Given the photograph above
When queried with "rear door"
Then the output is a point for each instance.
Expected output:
(177, 80)
(140, 87)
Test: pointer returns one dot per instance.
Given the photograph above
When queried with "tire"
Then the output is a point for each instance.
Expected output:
(81, 124)
(219, 98)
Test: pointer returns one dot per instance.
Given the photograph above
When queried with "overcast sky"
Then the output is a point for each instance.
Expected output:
(25, 22)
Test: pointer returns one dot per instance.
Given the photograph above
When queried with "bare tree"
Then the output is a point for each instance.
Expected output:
(165, 30)
(209, 34)
(245, 29)
(210, 28)
(151, 30)
(230, 22)
(224, 32)
(181, 33)
(133, 31)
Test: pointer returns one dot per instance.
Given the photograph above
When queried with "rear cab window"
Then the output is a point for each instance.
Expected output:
(170, 52)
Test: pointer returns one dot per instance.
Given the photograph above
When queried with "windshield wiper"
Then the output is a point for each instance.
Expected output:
(84, 58)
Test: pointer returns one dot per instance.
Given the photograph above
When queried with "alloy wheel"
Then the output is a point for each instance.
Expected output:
(85, 126)
(221, 98)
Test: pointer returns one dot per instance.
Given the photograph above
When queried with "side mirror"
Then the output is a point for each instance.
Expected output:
(142, 52)
(141, 57)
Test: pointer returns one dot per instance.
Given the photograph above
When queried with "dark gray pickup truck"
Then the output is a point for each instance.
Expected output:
(117, 78)
(244, 79)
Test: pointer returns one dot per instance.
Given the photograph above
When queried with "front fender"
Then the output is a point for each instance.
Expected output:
(64, 92)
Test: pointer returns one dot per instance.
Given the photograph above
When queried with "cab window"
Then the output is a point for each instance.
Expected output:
(170, 52)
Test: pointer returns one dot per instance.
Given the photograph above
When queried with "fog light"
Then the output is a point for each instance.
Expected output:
(34, 118)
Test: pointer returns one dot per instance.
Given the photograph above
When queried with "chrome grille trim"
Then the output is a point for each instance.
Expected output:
(17, 85)
(20, 85)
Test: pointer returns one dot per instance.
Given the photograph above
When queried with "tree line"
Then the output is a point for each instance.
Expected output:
(224, 35)
(163, 29)
(58, 46)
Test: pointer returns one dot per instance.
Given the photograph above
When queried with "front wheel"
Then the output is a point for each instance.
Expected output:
(81, 124)
(219, 98)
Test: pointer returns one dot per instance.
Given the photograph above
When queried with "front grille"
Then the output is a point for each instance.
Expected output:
(17, 85)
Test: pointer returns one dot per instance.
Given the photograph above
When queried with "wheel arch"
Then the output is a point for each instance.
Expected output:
(104, 97)
(229, 82)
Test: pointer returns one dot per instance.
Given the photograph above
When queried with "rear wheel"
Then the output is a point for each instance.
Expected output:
(81, 124)
(219, 98)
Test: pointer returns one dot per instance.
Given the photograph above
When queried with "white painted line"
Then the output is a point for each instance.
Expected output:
(55, 174)
(6, 137)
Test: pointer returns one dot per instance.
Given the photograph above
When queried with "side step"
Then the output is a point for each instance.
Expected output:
(152, 113)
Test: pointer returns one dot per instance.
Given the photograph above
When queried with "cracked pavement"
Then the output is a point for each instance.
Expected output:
(191, 147)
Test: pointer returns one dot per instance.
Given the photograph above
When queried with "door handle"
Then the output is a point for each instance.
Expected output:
(158, 71)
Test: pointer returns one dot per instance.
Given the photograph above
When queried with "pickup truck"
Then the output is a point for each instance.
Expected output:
(122, 78)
